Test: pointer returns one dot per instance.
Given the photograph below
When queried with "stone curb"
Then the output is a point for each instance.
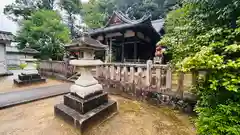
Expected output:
(38, 96)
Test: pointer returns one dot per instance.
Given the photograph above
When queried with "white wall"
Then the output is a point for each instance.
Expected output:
(14, 59)
(3, 67)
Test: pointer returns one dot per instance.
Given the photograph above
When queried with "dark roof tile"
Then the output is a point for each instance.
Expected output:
(6, 36)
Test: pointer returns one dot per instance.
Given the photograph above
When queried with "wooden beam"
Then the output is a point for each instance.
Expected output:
(110, 35)
(129, 33)
(100, 38)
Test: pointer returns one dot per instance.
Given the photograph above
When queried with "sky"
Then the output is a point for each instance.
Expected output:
(5, 23)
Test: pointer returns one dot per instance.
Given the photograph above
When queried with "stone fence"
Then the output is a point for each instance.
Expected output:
(148, 76)
(137, 80)
(58, 69)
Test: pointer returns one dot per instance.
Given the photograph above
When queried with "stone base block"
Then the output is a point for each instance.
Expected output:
(23, 82)
(29, 77)
(86, 121)
(83, 106)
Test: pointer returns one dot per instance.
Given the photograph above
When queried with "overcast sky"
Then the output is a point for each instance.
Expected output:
(5, 23)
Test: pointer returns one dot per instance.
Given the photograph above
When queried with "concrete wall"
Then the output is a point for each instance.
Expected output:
(3, 66)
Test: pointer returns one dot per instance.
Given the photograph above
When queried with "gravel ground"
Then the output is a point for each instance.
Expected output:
(7, 84)
(134, 118)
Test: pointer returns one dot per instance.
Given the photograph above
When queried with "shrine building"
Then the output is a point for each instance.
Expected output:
(129, 40)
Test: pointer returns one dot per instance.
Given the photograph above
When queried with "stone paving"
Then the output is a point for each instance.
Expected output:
(18, 97)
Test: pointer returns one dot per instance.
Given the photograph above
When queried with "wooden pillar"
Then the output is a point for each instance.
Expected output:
(123, 52)
(110, 50)
(122, 59)
(135, 52)
(107, 50)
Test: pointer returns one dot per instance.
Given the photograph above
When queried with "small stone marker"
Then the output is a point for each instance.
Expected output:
(87, 103)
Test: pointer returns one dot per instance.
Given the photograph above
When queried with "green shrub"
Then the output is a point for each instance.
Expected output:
(206, 37)
(22, 65)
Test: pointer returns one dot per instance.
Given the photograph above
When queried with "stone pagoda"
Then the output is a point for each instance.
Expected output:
(87, 102)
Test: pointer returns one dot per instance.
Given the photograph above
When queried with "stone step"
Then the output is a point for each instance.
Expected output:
(84, 105)
(86, 121)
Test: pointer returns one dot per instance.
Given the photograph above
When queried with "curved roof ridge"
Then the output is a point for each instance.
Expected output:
(127, 19)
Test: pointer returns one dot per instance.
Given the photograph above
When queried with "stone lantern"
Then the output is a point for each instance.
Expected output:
(87, 102)
(30, 73)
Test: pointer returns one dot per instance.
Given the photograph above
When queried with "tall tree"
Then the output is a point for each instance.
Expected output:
(44, 32)
(92, 16)
(134, 9)
(73, 9)
(22, 9)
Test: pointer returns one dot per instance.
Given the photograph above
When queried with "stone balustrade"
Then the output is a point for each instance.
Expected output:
(134, 77)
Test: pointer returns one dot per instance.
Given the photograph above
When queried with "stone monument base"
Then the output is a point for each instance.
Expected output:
(8, 73)
(28, 79)
(84, 113)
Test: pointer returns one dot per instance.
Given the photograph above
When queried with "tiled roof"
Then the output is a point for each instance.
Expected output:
(14, 49)
(87, 41)
(127, 23)
(158, 24)
(29, 50)
(6, 36)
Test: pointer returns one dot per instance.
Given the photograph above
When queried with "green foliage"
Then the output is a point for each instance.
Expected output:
(72, 8)
(180, 34)
(22, 9)
(92, 16)
(22, 65)
(97, 12)
(204, 35)
(44, 32)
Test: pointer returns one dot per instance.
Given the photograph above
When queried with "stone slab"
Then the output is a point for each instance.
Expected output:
(83, 106)
(24, 96)
(86, 121)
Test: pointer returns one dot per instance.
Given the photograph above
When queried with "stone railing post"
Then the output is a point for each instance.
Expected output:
(195, 75)
(138, 78)
(112, 72)
(180, 85)
(106, 72)
(169, 78)
(159, 78)
(149, 73)
(131, 77)
(118, 73)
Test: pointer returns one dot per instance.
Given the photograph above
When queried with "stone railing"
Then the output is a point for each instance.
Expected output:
(58, 69)
(153, 81)
(148, 76)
